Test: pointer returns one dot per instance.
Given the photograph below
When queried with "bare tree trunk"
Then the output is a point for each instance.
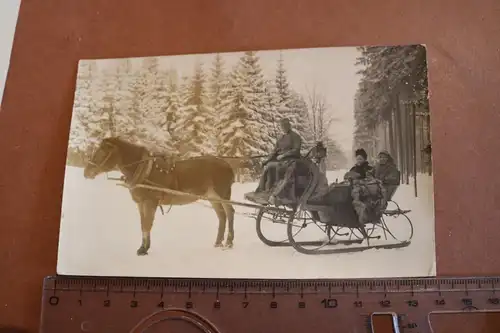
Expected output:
(403, 143)
(414, 146)
(422, 145)
(408, 142)
(392, 140)
(428, 119)
(386, 143)
(399, 141)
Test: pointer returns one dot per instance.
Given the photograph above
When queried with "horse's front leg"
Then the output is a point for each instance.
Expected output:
(147, 211)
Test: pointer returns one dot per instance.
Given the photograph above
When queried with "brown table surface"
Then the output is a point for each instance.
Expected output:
(463, 39)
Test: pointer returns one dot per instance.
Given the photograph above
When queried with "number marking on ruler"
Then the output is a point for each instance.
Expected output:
(252, 305)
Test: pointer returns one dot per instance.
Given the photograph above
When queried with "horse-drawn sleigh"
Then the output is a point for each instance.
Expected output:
(302, 197)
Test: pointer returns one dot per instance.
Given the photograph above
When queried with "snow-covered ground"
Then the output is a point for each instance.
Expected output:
(100, 233)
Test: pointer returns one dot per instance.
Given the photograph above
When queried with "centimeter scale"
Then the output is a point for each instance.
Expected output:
(413, 305)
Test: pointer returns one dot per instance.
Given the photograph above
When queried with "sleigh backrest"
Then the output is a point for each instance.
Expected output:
(391, 190)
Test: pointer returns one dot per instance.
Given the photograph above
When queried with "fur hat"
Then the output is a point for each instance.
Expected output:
(384, 152)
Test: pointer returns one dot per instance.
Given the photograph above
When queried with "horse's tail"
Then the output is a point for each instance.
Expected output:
(233, 173)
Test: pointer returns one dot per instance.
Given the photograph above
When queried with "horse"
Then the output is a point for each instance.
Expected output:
(207, 176)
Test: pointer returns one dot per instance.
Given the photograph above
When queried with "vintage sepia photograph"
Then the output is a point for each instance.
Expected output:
(295, 163)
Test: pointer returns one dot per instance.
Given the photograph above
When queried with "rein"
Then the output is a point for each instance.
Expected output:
(140, 172)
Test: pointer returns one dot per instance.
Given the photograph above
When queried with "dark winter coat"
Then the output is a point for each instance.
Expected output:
(362, 169)
(289, 145)
(388, 173)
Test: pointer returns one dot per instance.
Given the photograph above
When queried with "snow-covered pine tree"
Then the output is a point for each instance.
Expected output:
(232, 134)
(195, 124)
(253, 83)
(107, 101)
(160, 121)
(272, 102)
(151, 100)
(216, 81)
(99, 121)
(119, 90)
(174, 104)
(282, 85)
(246, 130)
(219, 90)
(82, 109)
(183, 93)
(284, 92)
(303, 124)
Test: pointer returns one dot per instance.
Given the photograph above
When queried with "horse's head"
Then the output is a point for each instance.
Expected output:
(104, 159)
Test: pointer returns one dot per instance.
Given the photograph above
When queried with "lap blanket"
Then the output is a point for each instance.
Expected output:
(368, 199)
(295, 178)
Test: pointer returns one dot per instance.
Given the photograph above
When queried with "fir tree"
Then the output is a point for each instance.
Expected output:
(217, 82)
(219, 90)
(282, 85)
(120, 93)
(82, 108)
(253, 84)
(272, 103)
(233, 134)
(196, 121)
(150, 103)
(388, 70)
(98, 115)
(302, 122)
(173, 106)
(285, 95)
(247, 130)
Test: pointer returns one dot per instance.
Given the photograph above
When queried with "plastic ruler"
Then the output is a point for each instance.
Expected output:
(414, 305)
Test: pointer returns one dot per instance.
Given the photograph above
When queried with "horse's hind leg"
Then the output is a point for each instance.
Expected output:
(225, 194)
(221, 216)
(228, 208)
(147, 210)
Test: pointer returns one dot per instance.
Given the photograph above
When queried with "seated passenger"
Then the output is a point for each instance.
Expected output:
(387, 172)
(286, 149)
(362, 165)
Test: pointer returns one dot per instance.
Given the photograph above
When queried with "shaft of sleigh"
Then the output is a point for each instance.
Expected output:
(202, 197)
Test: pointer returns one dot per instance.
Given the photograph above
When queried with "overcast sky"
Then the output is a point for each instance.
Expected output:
(331, 71)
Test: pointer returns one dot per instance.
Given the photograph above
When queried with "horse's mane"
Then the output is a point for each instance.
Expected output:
(127, 146)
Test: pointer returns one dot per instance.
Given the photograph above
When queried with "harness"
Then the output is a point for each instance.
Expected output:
(142, 173)
(143, 170)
